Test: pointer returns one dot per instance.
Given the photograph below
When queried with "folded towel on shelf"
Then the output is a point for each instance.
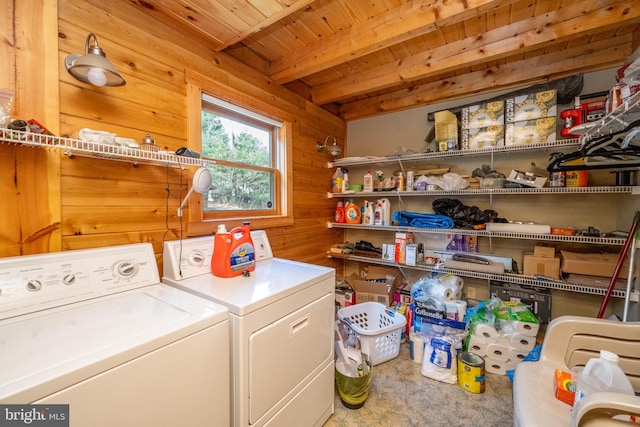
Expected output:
(421, 220)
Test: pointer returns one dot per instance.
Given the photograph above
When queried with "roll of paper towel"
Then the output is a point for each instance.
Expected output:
(498, 352)
(477, 346)
(516, 355)
(498, 367)
(485, 332)
(462, 309)
(517, 327)
(522, 342)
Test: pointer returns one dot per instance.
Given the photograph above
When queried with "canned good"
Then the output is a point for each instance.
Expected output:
(409, 180)
(471, 372)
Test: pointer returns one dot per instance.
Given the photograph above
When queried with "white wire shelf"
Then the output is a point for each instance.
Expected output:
(76, 147)
(579, 284)
(618, 189)
(617, 241)
(356, 161)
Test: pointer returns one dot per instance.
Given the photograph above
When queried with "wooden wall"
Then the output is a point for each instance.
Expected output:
(98, 202)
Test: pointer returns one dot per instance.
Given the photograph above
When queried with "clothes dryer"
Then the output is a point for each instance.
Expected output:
(282, 325)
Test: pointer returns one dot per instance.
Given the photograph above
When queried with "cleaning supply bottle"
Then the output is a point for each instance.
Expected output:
(352, 212)
(340, 213)
(401, 181)
(369, 215)
(368, 182)
(345, 180)
(602, 374)
(386, 212)
(336, 183)
(378, 213)
(233, 252)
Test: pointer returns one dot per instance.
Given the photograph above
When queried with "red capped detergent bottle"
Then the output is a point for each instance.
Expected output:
(233, 252)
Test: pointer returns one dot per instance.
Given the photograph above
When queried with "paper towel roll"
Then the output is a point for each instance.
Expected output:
(462, 309)
(522, 342)
(485, 332)
(516, 355)
(477, 346)
(498, 352)
(493, 366)
(443, 292)
(517, 327)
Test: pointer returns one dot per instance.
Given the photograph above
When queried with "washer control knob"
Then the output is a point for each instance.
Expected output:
(196, 258)
(68, 279)
(34, 285)
(126, 269)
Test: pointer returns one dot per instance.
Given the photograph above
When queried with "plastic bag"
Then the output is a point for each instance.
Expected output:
(6, 105)
(463, 216)
(449, 182)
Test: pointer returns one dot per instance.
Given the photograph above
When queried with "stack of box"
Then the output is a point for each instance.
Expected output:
(543, 262)
(402, 240)
(531, 118)
(483, 125)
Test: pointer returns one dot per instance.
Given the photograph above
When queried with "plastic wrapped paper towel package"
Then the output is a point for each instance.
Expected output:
(509, 227)
(503, 333)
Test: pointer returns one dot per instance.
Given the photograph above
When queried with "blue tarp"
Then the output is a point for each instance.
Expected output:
(421, 220)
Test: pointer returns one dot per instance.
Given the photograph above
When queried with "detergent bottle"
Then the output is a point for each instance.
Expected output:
(336, 182)
(340, 214)
(233, 252)
(352, 213)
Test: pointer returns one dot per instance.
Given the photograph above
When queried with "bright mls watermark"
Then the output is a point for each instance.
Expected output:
(34, 415)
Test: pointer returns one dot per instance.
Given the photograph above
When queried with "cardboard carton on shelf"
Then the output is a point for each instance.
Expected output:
(483, 115)
(601, 264)
(541, 266)
(375, 283)
(531, 106)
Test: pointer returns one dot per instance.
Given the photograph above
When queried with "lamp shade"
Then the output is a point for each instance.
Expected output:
(93, 67)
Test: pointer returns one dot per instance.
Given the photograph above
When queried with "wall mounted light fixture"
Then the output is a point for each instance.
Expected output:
(333, 149)
(201, 183)
(93, 67)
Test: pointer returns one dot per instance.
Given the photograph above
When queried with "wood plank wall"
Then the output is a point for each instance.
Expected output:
(103, 202)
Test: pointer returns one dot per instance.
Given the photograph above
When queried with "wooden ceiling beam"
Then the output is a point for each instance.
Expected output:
(560, 25)
(402, 23)
(590, 57)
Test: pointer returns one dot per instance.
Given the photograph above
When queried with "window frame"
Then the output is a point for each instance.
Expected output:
(199, 222)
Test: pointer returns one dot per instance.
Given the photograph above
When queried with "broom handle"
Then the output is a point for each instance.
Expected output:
(623, 255)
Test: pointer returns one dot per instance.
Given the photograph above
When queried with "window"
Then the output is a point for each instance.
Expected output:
(249, 149)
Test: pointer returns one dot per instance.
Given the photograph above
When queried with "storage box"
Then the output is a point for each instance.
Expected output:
(389, 252)
(544, 251)
(345, 296)
(462, 243)
(446, 130)
(415, 254)
(539, 131)
(402, 240)
(483, 115)
(564, 389)
(531, 106)
(593, 264)
(527, 178)
(537, 300)
(402, 293)
(541, 266)
(375, 283)
(481, 138)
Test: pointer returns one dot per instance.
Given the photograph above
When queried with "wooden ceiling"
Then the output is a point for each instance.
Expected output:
(360, 58)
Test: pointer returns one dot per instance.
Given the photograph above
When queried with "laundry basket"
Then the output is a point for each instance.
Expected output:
(379, 329)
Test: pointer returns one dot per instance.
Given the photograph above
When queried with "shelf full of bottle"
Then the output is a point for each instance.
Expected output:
(77, 147)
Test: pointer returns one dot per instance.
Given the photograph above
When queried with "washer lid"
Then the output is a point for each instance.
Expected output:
(272, 280)
(50, 350)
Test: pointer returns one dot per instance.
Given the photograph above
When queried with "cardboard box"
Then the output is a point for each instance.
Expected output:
(544, 251)
(415, 254)
(593, 264)
(483, 115)
(345, 297)
(527, 178)
(564, 387)
(531, 106)
(402, 293)
(481, 138)
(462, 243)
(446, 129)
(389, 252)
(402, 240)
(537, 300)
(541, 266)
(377, 290)
(539, 131)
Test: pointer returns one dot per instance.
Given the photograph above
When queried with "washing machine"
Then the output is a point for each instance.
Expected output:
(282, 321)
(96, 330)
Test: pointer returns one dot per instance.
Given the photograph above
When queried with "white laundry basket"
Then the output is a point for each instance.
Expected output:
(379, 329)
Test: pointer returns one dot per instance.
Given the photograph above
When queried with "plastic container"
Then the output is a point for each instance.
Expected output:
(353, 214)
(345, 180)
(233, 252)
(368, 215)
(602, 374)
(336, 181)
(379, 329)
(340, 213)
(368, 182)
